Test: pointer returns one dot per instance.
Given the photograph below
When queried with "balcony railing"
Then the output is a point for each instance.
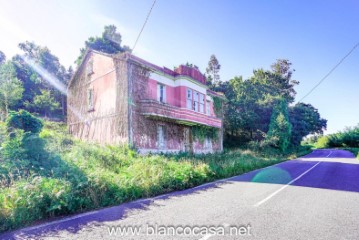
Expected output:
(153, 108)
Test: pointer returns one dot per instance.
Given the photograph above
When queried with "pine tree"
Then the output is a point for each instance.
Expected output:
(280, 129)
(212, 70)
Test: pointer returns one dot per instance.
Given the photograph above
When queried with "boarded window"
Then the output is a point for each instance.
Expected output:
(90, 99)
(208, 143)
(161, 137)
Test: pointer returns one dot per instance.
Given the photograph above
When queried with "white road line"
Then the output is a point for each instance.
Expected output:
(285, 186)
(330, 153)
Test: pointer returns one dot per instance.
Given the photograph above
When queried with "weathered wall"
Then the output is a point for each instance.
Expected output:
(200, 147)
(119, 85)
(100, 123)
(144, 129)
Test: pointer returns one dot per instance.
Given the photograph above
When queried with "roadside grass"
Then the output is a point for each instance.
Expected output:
(61, 175)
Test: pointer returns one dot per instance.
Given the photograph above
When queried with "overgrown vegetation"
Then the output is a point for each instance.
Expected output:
(202, 132)
(217, 106)
(50, 174)
(347, 139)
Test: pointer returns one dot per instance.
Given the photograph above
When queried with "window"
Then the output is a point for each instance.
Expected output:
(90, 99)
(208, 108)
(161, 93)
(208, 143)
(161, 137)
(196, 101)
(189, 98)
(89, 67)
(201, 102)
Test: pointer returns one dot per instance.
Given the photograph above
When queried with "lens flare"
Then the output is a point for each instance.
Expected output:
(46, 75)
(50, 78)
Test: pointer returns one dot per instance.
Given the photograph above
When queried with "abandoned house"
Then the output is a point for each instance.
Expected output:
(122, 99)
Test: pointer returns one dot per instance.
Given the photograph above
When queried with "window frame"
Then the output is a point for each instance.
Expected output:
(208, 108)
(196, 101)
(201, 102)
(161, 88)
(161, 136)
(189, 97)
(90, 99)
(89, 67)
(208, 143)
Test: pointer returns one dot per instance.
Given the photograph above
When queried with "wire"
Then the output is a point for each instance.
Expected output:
(144, 24)
(330, 72)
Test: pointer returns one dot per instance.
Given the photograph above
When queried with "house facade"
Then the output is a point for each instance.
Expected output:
(122, 99)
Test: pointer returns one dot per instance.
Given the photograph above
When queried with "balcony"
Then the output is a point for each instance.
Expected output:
(154, 109)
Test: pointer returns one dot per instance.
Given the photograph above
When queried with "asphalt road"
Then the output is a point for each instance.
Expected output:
(314, 197)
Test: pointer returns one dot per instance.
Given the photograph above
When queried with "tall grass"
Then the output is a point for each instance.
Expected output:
(65, 176)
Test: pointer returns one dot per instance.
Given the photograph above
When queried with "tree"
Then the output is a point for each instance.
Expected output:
(251, 101)
(212, 70)
(2, 57)
(280, 129)
(11, 88)
(109, 42)
(45, 104)
(34, 82)
(281, 79)
(305, 120)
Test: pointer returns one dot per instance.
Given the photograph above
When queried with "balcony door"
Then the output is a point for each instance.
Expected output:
(188, 142)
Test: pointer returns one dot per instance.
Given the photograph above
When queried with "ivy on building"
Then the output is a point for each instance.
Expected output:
(201, 132)
(217, 105)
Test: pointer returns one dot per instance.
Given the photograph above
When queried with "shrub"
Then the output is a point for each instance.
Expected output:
(23, 120)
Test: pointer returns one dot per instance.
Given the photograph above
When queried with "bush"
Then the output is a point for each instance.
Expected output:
(349, 138)
(23, 120)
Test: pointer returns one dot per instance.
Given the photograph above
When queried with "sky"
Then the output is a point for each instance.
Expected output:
(244, 35)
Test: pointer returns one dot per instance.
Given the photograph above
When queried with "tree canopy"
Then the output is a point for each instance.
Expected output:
(251, 103)
(109, 42)
(10, 87)
(35, 84)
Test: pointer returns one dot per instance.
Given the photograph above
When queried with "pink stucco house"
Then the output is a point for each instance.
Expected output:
(122, 99)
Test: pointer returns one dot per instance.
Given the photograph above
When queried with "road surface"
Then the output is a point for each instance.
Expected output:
(314, 197)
